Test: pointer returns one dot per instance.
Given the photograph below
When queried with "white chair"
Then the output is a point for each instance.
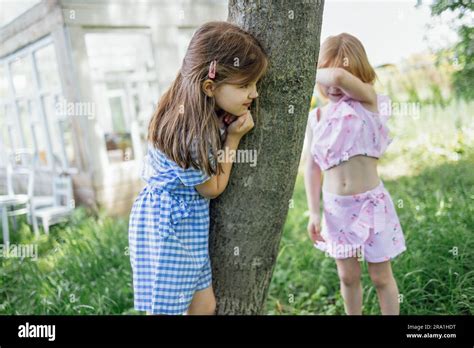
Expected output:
(63, 203)
(13, 205)
(25, 160)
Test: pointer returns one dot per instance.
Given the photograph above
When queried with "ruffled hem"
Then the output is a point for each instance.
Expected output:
(394, 253)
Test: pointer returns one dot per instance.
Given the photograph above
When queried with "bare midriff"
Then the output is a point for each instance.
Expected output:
(358, 174)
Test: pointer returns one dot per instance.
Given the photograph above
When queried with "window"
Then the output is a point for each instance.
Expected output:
(26, 122)
(123, 68)
(14, 139)
(3, 82)
(4, 137)
(47, 68)
(22, 75)
(117, 110)
(27, 113)
(60, 130)
(39, 134)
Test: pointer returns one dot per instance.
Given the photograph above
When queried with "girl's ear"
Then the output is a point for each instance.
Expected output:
(208, 87)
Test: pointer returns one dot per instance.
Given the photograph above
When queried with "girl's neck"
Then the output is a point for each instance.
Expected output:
(220, 112)
(220, 117)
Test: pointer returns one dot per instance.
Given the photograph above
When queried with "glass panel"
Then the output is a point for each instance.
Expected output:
(40, 135)
(51, 119)
(4, 93)
(118, 116)
(143, 111)
(114, 85)
(47, 68)
(119, 141)
(153, 88)
(119, 147)
(119, 52)
(61, 133)
(118, 60)
(4, 141)
(136, 104)
(3, 137)
(26, 123)
(67, 134)
(13, 132)
(22, 74)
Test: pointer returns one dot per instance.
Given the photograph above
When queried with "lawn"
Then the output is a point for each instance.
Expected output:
(429, 172)
(83, 266)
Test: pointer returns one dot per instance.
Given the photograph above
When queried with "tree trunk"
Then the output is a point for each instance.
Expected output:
(247, 219)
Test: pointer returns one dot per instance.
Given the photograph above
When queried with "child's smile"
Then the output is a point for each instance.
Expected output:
(235, 99)
(333, 93)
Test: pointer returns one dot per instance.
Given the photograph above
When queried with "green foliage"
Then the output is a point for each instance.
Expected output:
(463, 79)
(463, 51)
(463, 6)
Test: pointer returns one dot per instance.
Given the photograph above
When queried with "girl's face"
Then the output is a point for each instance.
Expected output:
(333, 93)
(235, 99)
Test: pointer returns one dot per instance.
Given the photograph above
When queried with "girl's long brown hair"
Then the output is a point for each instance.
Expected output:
(185, 126)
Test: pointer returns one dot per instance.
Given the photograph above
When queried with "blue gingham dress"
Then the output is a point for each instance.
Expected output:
(168, 237)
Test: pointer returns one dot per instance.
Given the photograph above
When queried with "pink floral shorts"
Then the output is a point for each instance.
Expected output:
(364, 226)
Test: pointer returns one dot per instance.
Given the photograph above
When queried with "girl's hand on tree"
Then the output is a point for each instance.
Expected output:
(241, 125)
(314, 228)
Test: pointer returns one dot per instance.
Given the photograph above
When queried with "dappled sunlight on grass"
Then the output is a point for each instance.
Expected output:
(438, 135)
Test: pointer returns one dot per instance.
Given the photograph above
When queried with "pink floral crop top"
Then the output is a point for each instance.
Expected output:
(348, 129)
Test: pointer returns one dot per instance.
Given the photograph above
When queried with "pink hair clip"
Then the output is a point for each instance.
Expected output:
(212, 69)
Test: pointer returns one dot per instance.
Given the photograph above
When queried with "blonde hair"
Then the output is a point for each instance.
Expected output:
(347, 52)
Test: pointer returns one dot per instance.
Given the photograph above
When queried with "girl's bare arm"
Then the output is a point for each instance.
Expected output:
(348, 83)
(312, 177)
(217, 183)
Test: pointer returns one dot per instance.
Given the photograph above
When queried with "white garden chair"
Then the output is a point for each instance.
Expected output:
(24, 162)
(63, 203)
(13, 204)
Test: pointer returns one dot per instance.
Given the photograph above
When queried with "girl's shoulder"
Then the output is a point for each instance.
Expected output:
(165, 170)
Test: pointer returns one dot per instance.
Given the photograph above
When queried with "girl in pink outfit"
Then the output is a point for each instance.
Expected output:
(346, 138)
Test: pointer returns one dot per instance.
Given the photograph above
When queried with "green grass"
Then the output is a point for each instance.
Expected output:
(429, 172)
(83, 266)
(436, 209)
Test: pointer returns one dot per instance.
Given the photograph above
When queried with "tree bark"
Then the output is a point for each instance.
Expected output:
(247, 219)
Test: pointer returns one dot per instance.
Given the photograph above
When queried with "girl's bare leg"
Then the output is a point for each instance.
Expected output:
(203, 303)
(386, 286)
(349, 274)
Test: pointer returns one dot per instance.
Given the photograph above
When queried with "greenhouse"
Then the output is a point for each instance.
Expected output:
(78, 84)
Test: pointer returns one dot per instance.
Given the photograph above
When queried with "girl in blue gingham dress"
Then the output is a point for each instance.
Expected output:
(169, 227)
(205, 111)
